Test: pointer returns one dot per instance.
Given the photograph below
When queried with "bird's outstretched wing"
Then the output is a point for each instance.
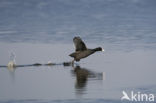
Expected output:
(79, 44)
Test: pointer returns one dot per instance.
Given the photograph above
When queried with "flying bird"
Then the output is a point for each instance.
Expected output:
(81, 51)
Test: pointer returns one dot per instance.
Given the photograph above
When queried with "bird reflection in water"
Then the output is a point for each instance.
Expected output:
(82, 76)
(12, 65)
(12, 72)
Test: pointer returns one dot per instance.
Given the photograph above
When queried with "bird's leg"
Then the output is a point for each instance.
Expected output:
(72, 63)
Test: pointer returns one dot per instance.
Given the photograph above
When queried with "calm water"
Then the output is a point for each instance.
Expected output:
(101, 77)
(41, 31)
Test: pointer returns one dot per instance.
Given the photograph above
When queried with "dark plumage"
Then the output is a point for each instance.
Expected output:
(81, 51)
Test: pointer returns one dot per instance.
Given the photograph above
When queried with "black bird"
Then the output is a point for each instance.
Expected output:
(81, 51)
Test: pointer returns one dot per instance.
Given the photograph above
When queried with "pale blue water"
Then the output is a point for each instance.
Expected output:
(39, 31)
(125, 22)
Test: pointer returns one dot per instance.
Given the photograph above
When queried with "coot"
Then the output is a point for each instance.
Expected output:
(81, 51)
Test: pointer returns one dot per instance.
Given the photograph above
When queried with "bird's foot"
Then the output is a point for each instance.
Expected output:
(72, 63)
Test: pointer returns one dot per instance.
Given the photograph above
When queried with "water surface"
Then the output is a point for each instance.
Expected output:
(103, 75)
(41, 31)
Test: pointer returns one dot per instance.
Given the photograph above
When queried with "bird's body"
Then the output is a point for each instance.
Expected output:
(82, 54)
(81, 51)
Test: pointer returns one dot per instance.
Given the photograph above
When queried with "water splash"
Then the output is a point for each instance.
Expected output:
(12, 61)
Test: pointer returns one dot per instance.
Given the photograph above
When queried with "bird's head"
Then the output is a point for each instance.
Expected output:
(99, 49)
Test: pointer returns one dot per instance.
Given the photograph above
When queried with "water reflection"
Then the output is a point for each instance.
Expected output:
(84, 75)
(81, 75)
(12, 72)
